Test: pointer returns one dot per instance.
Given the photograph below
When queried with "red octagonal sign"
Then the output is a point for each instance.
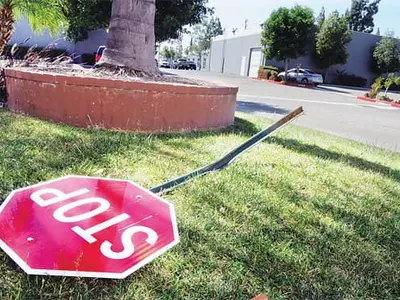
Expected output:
(85, 226)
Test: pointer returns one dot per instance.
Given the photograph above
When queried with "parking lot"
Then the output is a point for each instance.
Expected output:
(330, 109)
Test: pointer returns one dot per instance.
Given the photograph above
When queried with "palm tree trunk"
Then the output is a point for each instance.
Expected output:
(286, 69)
(326, 75)
(6, 26)
(131, 39)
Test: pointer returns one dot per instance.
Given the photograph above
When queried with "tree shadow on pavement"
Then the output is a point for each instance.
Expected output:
(252, 107)
(330, 89)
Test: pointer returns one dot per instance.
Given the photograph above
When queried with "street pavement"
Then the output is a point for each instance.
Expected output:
(334, 110)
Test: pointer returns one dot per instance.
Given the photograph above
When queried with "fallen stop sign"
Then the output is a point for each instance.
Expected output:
(85, 226)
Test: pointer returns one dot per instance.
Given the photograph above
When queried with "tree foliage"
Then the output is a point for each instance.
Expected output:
(171, 16)
(321, 18)
(40, 14)
(84, 16)
(287, 32)
(332, 40)
(362, 15)
(386, 55)
(169, 52)
(203, 34)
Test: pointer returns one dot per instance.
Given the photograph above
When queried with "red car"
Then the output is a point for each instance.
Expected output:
(99, 53)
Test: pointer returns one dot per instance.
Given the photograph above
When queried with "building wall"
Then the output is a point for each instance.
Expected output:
(96, 39)
(236, 47)
(23, 31)
(359, 60)
(227, 53)
(216, 56)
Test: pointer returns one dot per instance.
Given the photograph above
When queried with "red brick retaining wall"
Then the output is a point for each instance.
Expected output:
(115, 104)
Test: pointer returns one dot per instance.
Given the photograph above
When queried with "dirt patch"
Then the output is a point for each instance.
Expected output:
(77, 70)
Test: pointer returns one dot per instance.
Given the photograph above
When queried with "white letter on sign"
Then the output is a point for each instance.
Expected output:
(87, 234)
(59, 196)
(59, 213)
(126, 238)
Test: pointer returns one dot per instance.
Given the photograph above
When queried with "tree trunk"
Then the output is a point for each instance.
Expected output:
(6, 26)
(286, 68)
(326, 75)
(386, 91)
(131, 39)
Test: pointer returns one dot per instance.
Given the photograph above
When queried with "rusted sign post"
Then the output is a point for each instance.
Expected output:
(231, 156)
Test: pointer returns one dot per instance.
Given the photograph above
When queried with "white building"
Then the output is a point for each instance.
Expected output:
(241, 54)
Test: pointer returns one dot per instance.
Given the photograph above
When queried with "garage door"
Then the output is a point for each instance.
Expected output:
(255, 62)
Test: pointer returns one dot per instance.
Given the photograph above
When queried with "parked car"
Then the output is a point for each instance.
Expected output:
(183, 63)
(99, 53)
(303, 75)
(192, 65)
(165, 63)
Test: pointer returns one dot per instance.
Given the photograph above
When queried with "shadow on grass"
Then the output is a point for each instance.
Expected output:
(381, 231)
(38, 151)
(356, 256)
(352, 161)
(303, 259)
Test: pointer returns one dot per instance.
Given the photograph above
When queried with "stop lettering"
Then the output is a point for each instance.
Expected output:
(85, 226)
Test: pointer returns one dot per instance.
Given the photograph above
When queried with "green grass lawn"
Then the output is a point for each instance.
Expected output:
(303, 215)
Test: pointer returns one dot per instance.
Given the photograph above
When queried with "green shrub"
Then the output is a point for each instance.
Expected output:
(88, 58)
(267, 74)
(272, 68)
(375, 88)
(349, 80)
(394, 87)
(385, 98)
(274, 76)
(22, 51)
(52, 54)
(262, 74)
(389, 81)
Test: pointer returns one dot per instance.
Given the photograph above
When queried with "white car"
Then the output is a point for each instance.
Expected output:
(165, 63)
(303, 75)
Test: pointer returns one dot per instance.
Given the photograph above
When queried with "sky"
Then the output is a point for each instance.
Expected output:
(233, 13)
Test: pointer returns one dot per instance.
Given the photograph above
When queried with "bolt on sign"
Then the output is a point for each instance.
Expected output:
(86, 227)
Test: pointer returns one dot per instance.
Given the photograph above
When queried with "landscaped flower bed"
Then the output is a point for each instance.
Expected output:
(374, 94)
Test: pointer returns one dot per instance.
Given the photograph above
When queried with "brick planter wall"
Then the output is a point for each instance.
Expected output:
(115, 104)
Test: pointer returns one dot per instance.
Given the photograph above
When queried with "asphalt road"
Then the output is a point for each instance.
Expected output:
(329, 109)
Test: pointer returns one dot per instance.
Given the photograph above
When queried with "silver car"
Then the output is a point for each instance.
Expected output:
(165, 63)
(303, 75)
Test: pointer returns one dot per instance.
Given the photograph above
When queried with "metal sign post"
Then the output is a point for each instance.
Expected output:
(231, 156)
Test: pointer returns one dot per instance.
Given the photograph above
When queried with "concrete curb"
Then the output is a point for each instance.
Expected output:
(378, 101)
(308, 86)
